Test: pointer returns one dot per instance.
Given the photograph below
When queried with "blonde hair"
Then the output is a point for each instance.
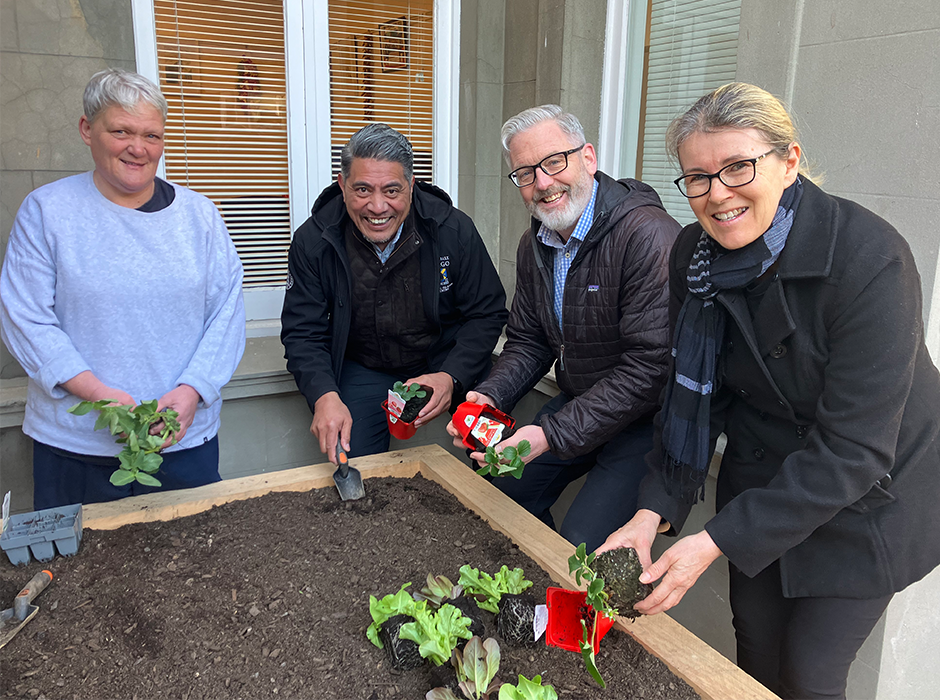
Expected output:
(737, 106)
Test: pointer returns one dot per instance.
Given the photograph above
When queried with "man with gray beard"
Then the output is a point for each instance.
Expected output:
(592, 299)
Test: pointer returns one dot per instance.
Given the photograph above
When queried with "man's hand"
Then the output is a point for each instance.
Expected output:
(184, 400)
(472, 397)
(331, 420)
(443, 385)
(679, 567)
(533, 433)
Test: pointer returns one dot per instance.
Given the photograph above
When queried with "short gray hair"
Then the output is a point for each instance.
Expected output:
(526, 119)
(380, 142)
(125, 89)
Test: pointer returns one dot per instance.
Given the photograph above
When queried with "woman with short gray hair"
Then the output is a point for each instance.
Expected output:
(120, 286)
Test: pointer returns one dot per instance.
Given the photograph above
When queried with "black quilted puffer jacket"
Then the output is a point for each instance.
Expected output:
(612, 353)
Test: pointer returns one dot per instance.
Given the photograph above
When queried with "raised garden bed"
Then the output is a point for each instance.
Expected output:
(206, 608)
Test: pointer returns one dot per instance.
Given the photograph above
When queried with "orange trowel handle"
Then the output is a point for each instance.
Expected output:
(37, 584)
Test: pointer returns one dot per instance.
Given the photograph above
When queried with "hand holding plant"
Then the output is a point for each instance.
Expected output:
(506, 461)
(409, 391)
(139, 459)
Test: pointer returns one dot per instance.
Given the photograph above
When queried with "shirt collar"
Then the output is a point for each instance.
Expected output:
(384, 255)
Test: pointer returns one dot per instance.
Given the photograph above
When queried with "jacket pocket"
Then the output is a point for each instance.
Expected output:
(874, 499)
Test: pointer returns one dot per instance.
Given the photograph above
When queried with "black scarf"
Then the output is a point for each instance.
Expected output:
(697, 344)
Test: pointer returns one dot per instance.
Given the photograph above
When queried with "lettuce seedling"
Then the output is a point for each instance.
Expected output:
(476, 671)
(437, 590)
(580, 564)
(489, 589)
(400, 603)
(140, 458)
(527, 690)
(436, 633)
(507, 461)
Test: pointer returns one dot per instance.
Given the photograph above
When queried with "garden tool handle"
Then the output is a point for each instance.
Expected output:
(342, 460)
(37, 584)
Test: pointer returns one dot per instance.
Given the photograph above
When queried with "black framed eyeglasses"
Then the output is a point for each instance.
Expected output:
(550, 165)
(736, 174)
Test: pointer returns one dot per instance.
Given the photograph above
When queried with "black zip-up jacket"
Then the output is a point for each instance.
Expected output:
(460, 289)
(612, 354)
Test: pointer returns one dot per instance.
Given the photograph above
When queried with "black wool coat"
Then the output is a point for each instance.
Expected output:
(831, 406)
(611, 355)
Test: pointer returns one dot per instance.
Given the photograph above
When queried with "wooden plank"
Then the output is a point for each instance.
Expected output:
(177, 504)
(712, 675)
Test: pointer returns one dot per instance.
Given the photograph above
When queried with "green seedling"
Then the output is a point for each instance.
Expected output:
(527, 690)
(488, 590)
(140, 458)
(506, 461)
(436, 633)
(580, 564)
(409, 391)
(400, 603)
(476, 670)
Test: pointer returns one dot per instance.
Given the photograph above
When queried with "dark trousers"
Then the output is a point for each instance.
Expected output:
(363, 390)
(62, 478)
(798, 647)
(606, 501)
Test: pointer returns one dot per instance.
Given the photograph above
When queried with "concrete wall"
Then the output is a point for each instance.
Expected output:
(863, 77)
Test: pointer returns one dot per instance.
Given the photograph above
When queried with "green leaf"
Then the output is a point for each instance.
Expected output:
(400, 603)
(509, 453)
(80, 409)
(524, 448)
(121, 477)
(440, 694)
(150, 462)
(148, 480)
(436, 633)
(527, 690)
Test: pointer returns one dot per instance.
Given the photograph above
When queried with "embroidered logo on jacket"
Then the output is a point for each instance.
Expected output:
(290, 280)
(445, 279)
(593, 287)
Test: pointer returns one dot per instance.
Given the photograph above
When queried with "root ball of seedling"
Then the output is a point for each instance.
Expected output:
(620, 568)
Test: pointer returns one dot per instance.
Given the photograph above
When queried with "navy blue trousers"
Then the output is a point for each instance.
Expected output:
(363, 390)
(606, 501)
(62, 478)
(798, 647)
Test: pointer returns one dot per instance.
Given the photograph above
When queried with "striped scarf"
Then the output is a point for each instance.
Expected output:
(697, 345)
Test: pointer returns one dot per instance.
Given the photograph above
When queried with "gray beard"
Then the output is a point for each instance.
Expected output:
(579, 195)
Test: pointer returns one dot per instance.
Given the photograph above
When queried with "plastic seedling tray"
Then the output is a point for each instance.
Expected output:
(565, 612)
(42, 532)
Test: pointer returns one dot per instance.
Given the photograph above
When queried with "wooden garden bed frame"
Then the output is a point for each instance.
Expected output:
(712, 675)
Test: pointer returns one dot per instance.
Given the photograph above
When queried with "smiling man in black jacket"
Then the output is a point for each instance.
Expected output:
(592, 299)
(387, 281)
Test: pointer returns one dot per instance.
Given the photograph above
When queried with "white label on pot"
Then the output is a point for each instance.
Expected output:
(396, 404)
(540, 622)
(489, 432)
(6, 511)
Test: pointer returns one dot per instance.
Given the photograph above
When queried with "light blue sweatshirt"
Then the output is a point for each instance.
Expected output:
(146, 301)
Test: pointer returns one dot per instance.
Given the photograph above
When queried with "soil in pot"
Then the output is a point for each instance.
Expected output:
(414, 405)
(272, 594)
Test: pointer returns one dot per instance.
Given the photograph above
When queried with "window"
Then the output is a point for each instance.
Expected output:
(381, 70)
(690, 47)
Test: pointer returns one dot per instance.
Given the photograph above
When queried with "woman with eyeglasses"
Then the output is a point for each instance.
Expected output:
(798, 333)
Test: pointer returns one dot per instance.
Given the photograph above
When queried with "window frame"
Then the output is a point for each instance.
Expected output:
(308, 116)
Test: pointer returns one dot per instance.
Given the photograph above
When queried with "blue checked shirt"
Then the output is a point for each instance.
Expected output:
(384, 255)
(566, 252)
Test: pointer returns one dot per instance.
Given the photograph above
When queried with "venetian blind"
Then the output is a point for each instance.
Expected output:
(222, 71)
(381, 71)
(693, 49)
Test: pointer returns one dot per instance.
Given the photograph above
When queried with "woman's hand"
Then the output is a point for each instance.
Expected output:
(88, 387)
(679, 567)
(639, 533)
(184, 400)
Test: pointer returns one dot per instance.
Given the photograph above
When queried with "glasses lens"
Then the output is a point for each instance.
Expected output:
(554, 164)
(737, 174)
(522, 176)
(694, 185)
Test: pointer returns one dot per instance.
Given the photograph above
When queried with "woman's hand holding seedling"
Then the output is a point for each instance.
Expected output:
(183, 400)
(443, 385)
(88, 387)
(679, 567)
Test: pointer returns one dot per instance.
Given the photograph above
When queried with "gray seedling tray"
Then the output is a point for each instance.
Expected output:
(43, 532)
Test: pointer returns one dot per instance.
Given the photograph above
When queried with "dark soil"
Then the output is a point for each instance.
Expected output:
(269, 597)
(413, 406)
